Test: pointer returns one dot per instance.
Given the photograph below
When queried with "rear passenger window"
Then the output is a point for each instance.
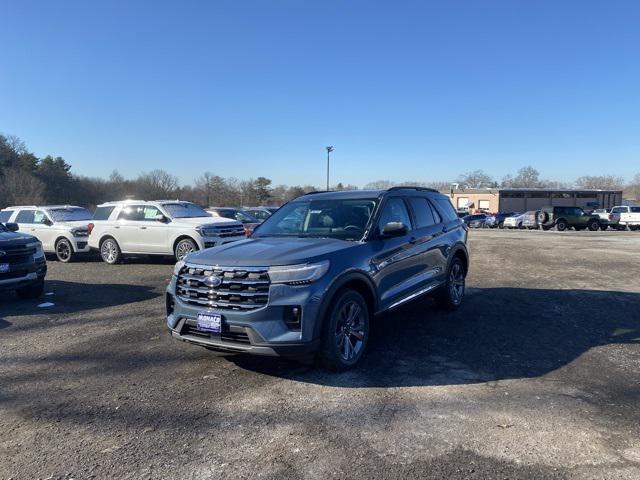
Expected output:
(635, 209)
(445, 208)
(103, 213)
(25, 216)
(5, 216)
(132, 212)
(422, 212)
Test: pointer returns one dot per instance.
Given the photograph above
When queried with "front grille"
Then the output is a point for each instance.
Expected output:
(227, 335)
(81, 245)
(239, 289)
(224, 230)
(16, 254)
(81, 233)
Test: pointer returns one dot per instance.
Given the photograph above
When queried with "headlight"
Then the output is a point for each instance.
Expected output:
(206, 231)
(38, 246)
(178, 267)
(299, 274)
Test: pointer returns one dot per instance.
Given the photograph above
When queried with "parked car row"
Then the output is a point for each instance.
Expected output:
(560, 218)
(115, 229)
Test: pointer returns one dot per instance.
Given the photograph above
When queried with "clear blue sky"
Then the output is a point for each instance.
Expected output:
(403, 89)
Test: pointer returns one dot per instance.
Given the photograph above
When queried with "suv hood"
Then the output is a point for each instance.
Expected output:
(197, 221)
(10, 237)
(73, 224)
(268, 251)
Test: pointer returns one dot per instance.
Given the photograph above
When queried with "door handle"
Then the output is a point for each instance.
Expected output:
(117, 226)
(143, 228)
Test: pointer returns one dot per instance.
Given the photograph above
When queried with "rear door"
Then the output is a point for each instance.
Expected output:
(128, 228)
(43, 229)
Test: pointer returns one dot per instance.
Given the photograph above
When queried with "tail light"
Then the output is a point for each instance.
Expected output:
(90, 228)
(247, 230)
(611, 216)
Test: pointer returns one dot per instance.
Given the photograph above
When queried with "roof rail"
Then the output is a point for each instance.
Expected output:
(21, 206)
(317, 191)
(419, 189)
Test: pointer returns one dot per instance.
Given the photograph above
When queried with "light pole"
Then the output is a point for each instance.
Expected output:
(329, 150)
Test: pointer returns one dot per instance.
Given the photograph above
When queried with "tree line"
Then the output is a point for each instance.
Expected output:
(27, 179)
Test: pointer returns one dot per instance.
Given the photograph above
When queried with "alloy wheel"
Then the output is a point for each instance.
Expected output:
(109, 251)
(63, 251)
(183, 249)
(350, 331)
(456, 283)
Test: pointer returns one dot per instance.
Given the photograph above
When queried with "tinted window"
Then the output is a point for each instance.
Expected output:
(5, 216)
(337, 218)
(103, 213)
(395, 210)
(70, 214)
(618, 210)
(25, 216)
(132, 212)
(445, 208)
(635, 209)
(422, 212)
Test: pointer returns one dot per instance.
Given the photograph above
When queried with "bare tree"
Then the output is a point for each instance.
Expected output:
(527, 177)
(21, 188)
(157, 184)
(603, 182)
(379, 185)
(476, 179)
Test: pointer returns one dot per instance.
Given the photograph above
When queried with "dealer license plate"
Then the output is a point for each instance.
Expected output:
(4, 267)
(208, 322)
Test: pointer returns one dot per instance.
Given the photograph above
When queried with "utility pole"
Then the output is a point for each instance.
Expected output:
(329, 150)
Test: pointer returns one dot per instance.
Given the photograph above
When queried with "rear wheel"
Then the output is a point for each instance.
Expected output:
(452, 293)
(184, 247)
(345, 332)
(110, 251)
(594, 225)
(34, 290)
(64, 250)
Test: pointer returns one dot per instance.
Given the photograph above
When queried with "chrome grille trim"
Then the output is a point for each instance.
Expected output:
(240, 288)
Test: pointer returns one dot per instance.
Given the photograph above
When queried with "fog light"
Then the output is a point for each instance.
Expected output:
(170, 304)
(292, 317)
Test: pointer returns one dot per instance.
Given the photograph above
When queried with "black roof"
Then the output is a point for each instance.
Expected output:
(354, 194)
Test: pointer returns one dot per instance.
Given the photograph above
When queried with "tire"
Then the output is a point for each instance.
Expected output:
(345, 332)
(594, 226)
(451, 294)
(501, 225)
(633, 228)
(64, 250)
(183, 248)
(543, 217)
(110, 251)
(520, 226)
(32, 291)
(561, 225)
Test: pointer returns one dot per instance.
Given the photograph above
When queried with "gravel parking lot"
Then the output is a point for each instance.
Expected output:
(536, 376)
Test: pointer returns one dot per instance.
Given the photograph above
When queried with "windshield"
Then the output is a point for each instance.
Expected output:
(344, 219)
(236, 215)
(184, 210)
(3, 228)
(72, 214)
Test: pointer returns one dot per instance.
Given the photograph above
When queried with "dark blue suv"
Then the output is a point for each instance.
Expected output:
(312, 276)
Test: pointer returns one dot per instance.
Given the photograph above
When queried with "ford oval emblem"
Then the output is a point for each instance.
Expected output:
(213, 281)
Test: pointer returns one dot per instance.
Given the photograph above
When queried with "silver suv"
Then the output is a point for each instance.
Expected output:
(161, 227)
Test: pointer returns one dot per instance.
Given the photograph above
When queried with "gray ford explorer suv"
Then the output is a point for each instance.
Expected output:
(312, 276)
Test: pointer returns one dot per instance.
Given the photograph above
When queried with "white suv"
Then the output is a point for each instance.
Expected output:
(161, 227)
(62, 229)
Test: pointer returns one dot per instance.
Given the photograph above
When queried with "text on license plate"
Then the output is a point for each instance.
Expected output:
(208, 322)
(4, 267)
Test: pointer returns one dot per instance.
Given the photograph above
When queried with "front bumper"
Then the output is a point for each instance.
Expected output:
(262, 331)
(80, 244)
(23, 275)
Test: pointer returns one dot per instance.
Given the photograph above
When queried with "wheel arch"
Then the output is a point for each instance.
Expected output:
(181, 237)
(63, 236)
(356, 280)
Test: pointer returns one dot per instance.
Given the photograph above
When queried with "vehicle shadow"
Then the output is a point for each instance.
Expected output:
(498, 334)
(73, 297)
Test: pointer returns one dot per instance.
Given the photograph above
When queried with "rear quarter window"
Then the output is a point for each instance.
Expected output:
(103, 213)
(25, 216)
(445, 208)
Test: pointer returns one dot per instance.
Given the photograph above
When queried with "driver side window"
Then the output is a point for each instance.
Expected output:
(39, 217)
(395, 210)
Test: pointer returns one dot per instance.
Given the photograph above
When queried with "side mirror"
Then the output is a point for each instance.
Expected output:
(394, 229)
(47, 222)
(12, 227)
(162, 218)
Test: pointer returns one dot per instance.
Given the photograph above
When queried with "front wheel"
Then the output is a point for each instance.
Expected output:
(64, 250)
(345, 332)
(594, 225)
(562, 225)
(184, 247)
(452, 292)
(110, 251)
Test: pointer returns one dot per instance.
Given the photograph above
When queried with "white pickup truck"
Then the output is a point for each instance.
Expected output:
(625, 216)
